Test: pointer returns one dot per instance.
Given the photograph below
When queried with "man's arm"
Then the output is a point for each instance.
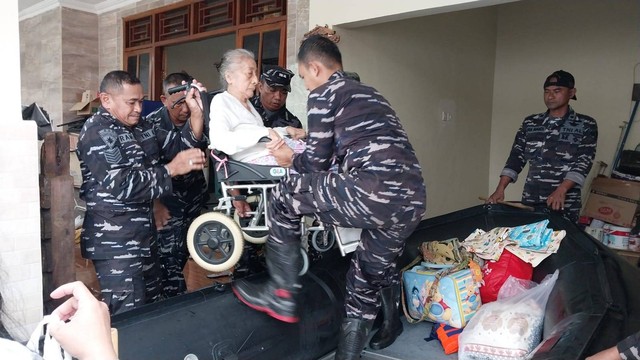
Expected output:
(116, 173)
(629, 347)
(320, 137)
(190, 136)
(516, 160)
(128, 181)
(585, 154)
(513, 167)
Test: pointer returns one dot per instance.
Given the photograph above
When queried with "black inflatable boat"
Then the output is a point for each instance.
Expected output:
(595, 302)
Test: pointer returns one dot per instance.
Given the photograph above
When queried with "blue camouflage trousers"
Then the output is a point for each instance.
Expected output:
(128, 282)
(173, 254)
(385, 227)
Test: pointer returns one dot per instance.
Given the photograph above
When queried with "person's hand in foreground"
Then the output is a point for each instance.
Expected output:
(84, 329)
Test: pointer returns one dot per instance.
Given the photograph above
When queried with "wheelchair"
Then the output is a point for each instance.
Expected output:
(216, 239)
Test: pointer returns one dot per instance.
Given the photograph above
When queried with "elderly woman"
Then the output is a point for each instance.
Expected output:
(235, 126)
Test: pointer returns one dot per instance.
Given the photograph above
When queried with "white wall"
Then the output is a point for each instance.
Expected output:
(597, 41)
(425, 66)
(20, 261)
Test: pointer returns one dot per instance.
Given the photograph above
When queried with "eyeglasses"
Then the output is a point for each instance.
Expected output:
(180, 102)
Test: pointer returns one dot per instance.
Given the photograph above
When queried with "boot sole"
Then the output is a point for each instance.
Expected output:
(273, 314)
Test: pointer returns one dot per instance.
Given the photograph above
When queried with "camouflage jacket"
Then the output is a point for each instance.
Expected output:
(121, 175)
(189, 189)
(352, 125)
(280, 118)
(556, 149)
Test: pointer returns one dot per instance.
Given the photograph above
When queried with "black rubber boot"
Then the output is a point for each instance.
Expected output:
(391, 327)
(276, 297)
(353, 336)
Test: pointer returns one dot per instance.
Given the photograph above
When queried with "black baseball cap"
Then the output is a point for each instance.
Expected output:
(276, 76)
(561, 78)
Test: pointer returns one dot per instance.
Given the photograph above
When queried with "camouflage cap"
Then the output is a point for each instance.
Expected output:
(277, 76)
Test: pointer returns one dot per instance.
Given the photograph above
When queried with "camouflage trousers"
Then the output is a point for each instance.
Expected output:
(385, 227)
(173, 254)
(128, 283)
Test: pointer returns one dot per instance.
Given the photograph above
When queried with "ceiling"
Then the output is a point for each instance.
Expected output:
(29, 8)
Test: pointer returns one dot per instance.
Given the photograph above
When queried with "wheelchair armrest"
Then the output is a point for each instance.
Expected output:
(228, 169)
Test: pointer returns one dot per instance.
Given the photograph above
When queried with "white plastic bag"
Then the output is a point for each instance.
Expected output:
(507, 328)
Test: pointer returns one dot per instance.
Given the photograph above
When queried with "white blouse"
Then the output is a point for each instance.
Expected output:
(235, 130)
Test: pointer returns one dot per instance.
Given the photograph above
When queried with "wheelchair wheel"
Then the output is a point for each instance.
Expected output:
(252, 236)
(323, 240)
(305, 262)
(215, 241)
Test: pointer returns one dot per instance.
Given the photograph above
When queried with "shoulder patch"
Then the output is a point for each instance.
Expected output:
(109, 136)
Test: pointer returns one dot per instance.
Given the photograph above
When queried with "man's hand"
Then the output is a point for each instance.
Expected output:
(556, 199)
(187, 161)
(161, 214)
(296, 133)
(496, 197)
(283, 155)
(193, 100)
(242, 208)
(83, 326)
(194, 103)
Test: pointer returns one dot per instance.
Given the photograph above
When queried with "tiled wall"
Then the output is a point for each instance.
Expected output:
(20, 263)
(59, 60)
(41, 62)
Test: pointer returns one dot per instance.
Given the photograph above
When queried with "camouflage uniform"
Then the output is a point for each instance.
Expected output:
(280, 118)
(184, 204)
(556, 149)
(629, 348)
(378, 187)
(121, 176)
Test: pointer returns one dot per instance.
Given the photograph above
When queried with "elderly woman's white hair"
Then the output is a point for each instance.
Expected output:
(230, 61)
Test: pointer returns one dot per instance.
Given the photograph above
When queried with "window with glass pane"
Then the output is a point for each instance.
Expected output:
(270, 47)
(252, 43)
(144, 72)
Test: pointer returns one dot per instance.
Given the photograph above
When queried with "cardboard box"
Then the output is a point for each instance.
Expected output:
(613, 201)
(87, 105)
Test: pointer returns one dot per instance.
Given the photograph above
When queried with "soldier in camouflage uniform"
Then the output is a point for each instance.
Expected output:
(378, 188)
(559, 145)
(270, 102)
(177, 128)
(121, 173)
